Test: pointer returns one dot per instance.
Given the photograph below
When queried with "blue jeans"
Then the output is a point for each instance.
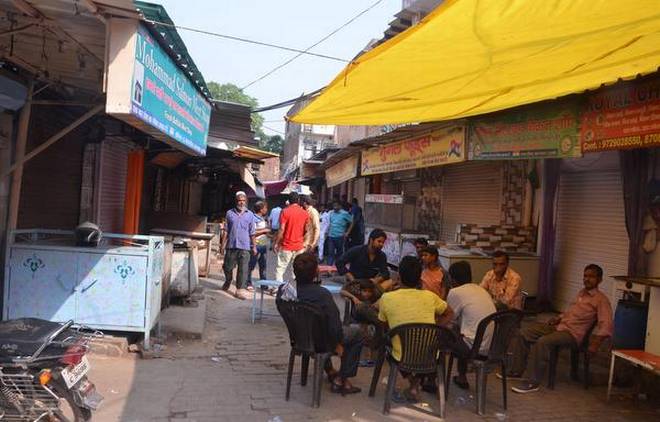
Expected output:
(259, 258)
(336, 249)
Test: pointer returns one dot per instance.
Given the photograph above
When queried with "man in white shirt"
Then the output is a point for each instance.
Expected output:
(325, 224)
(471, 303)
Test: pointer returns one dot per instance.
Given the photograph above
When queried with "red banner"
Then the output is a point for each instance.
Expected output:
(622, 117)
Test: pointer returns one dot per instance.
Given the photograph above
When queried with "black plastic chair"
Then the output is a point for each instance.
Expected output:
(349, 308)
(505, 323)
(576, 351)
(423, 348)
(307, 326)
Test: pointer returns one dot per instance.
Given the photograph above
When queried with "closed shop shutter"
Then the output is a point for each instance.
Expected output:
(114, 162)
(590, 226)
(471, 194)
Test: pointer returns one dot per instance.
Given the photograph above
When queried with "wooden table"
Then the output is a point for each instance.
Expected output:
(639, 358)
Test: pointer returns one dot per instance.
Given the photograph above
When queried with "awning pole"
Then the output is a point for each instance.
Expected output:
(23, 158)
(21, 142)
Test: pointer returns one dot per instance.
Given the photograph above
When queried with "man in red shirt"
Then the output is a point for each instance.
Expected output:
(290, 241)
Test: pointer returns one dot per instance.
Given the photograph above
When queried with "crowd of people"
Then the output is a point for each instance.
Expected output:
(422, 291)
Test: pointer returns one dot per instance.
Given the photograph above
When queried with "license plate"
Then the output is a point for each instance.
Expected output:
(73, 374)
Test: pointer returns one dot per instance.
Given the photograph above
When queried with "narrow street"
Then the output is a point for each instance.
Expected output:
(237, 372)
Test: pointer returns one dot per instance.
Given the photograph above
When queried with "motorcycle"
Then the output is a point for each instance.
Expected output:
(43, 371)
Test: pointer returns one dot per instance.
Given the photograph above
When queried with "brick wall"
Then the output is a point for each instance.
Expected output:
(429, 203)
(506, 237)
(513, 192)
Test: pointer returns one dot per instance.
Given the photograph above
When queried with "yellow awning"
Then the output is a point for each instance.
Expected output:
(472, 57)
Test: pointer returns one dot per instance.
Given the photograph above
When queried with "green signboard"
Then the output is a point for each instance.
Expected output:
(164, 98)
(548, 130)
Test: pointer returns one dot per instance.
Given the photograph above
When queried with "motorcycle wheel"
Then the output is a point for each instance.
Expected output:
(69, 411)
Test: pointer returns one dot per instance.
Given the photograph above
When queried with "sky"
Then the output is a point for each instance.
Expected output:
(293, 23)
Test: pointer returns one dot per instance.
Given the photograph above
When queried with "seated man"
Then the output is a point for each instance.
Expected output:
(420, 243)
(367, 261)
(434, 277)
(410, 305)
(364, 296)
(503, 283)
(471, 303)
(591, 306)
(347, 340)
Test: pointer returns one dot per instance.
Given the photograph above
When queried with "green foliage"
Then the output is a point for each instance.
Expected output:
(232, 93)
(274, 144)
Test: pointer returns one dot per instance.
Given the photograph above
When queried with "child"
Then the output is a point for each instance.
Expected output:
(364, 295)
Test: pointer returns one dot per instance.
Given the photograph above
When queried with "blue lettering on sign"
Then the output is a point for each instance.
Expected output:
(163, 97)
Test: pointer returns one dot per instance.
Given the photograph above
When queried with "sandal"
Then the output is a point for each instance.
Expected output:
(461, 384)
(343, 390)
(404, 397)
(367, 363)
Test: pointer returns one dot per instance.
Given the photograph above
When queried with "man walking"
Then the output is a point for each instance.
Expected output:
(313, 234)
(238, 244)
(357, 233)
(261, 240)
(341, 224)
(323, 234)
(290, 241)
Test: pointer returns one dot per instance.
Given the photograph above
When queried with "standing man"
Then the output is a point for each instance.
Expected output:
(341, 224)
(274, 219)
(357, 234)
(313, 234)
(261, 240)
(290, 241)
(590, 307)
(323, 235)
(503, 283)
(238, 244)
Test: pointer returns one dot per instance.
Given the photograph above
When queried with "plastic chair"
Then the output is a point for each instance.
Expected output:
(505, 323)
(422, 352)
(349, 307)
(307, 326)
(576, 351)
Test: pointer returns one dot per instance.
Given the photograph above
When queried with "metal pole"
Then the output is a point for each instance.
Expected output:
(21, 142)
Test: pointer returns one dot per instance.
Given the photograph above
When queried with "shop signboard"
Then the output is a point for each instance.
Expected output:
(623, 116)
(442, 146)
(342, 171)
(160, 100)
(381, 198)
(547, 130)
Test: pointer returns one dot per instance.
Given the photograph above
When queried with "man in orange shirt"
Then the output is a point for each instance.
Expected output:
(503, 283)
(290, 241)
(590, 307)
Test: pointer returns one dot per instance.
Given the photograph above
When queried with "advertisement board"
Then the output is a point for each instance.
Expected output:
(622, 117)
(148, 90)
(443, 146)
(342, 171)
(547, 130)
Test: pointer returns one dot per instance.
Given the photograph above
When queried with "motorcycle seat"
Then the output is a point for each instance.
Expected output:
(23, 337)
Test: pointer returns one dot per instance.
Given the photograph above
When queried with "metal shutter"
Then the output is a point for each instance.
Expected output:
(471, 194)
(112, 184)
(590, 227)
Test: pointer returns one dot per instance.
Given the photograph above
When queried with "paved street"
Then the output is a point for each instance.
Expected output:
(237, 373)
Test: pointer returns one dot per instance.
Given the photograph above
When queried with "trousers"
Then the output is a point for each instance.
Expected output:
(234, 258)
(531, 349)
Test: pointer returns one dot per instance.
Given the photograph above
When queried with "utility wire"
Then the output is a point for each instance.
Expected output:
(274, 130)
(246, 40)
(306, 51)
(288, 102)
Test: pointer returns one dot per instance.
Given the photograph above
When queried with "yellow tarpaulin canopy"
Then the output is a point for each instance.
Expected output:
(472, 57)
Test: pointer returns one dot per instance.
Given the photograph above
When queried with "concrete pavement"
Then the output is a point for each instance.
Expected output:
(237, 372)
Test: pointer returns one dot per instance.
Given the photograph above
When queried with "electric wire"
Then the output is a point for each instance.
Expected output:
(245, 40)
(344, 25)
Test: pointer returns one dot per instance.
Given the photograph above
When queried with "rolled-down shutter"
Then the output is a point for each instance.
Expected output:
(471, 195)
(590, 229)
(114, 162)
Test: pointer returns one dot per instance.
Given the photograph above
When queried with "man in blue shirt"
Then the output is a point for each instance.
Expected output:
(357, 234)
(239, 243)
(341, 224)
